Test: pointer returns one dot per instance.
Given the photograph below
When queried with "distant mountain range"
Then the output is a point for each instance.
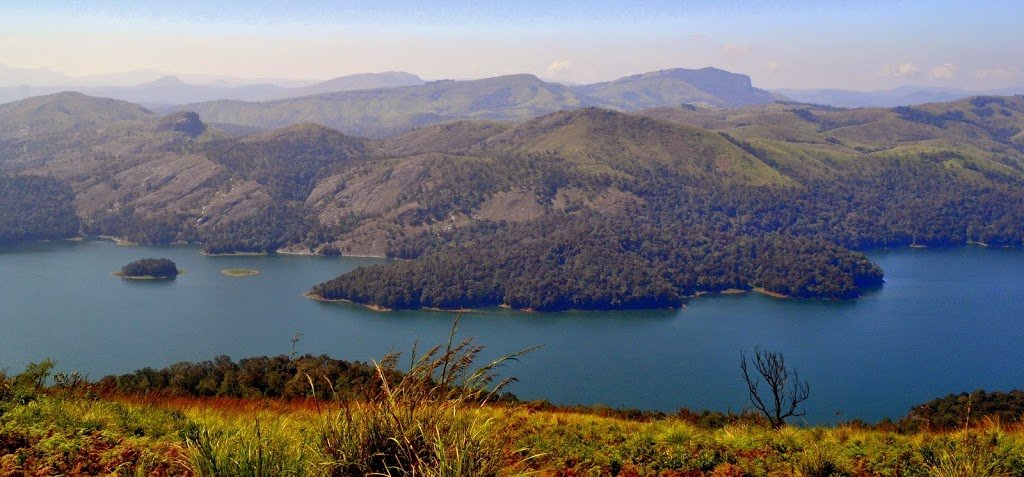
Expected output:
(171, 90)
(903, 96)
(388, 111)
(707, 87)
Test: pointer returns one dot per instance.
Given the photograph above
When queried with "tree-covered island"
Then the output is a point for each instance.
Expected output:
(149, 268)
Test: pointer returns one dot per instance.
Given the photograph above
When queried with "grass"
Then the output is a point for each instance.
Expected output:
(239, 272)
(57, 433)
(440, 417)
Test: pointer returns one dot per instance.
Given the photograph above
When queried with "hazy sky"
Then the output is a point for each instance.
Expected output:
(864, 44)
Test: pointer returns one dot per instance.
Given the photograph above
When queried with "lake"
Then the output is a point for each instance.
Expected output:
(946, 321)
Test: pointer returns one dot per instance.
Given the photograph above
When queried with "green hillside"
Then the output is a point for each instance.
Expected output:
(588, 208)
(35, 208)
(62, 112)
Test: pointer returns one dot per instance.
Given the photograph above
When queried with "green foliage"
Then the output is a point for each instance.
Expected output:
(594, 262)
(69, 435)
(437, 417)
(126, 223)
(151, 267)
(427, 422)
(267, 230)
(27, 386)
(957, 411)
(974, 455)
(256, 450)
(290, 161)
(266, 376)
(35, 208)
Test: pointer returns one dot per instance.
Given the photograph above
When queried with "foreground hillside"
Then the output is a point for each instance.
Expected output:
(587, 209)
(416, 428)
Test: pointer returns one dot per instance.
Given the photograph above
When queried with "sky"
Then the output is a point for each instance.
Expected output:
(863, 45)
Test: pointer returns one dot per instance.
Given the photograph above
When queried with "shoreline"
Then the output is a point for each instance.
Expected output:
(770, 293)
(321, 299)
(503, 306)
(235, 254)
(727, 291)
(286, 252)
(146, 277)
(239, 272)
(449, 310)
(118, 241)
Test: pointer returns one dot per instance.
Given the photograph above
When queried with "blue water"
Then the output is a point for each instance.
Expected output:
(946, 321)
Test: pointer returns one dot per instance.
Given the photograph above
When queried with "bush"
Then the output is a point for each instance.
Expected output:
(427, 422)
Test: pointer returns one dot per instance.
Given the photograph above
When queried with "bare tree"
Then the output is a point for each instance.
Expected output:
(786, 391)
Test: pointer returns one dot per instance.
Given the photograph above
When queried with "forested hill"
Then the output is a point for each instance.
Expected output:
(589, 208)
(35, 208)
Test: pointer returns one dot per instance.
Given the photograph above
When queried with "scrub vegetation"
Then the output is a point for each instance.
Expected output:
(444, 414)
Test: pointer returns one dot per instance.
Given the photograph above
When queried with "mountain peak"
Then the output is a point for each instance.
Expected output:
(64, 111)
(297, 133)
(184, 122)
(710, 86)
(362, 81)
(169, 80)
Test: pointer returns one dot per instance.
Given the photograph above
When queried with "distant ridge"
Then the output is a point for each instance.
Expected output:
(706, 86)
(385, 112)
(902, 96)
(64, 111)
(171, 90)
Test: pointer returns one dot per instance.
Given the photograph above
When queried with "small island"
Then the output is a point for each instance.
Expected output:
(149, 269)
(239, 272)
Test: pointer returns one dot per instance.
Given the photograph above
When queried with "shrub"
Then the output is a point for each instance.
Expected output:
(426, 421)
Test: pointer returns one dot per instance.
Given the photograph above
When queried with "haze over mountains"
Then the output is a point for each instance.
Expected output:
(381, 104)
(708, 85)
(903, 96)
(384, 112)
(171, 90)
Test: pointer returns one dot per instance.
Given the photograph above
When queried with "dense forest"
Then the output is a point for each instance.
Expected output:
(689, 237)
(265, 376)
(36, 208)
(957, 411)
(597, 262)
(150, 268)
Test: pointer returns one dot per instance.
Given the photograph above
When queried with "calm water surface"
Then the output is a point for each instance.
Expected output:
(945, 321)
